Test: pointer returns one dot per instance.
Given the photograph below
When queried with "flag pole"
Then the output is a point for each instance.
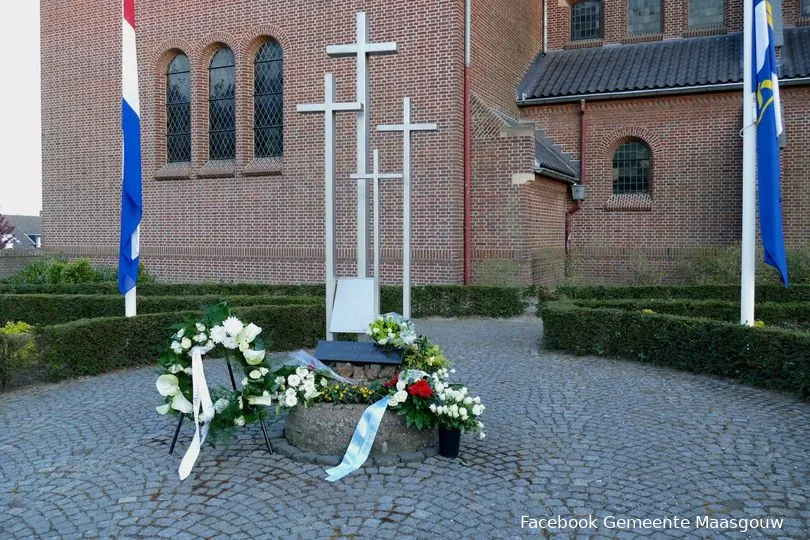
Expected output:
(749, 197)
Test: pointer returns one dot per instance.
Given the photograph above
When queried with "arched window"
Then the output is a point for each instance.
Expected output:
(268, 104)
(178, 110)
(705, 14)
(643, 17)
(221, 106)
(631, 168)
(805, 8)
(586, 20)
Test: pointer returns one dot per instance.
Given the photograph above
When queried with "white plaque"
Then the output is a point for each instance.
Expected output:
(354, 306)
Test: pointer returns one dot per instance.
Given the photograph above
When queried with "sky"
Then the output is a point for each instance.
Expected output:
(20, 137)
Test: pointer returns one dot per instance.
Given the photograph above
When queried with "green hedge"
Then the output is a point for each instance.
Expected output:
(764, 293)
(427, 300)
(768, 357)
(794, 315)
(48, 309)
(94, 346)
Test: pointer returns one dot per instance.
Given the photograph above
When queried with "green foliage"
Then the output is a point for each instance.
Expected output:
(425, 356)
(722, 266)
(61, 271)
(94, 346)
(18, 327)
(764, 293)
(768, 357)
(45, 309)
(455, 301)
(17, 349)
(338, 392)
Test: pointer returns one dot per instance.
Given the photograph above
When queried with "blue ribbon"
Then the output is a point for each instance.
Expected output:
(362, 440)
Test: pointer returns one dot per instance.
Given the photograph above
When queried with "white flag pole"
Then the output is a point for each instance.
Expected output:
(749, 198)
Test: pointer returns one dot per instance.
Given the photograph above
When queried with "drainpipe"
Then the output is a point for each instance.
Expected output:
(582, 177)
(467, 144)
(545, 26)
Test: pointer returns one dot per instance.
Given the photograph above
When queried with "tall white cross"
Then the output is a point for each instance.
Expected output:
(362, 49)
(406, 128)
(375, 177)
(330, 108)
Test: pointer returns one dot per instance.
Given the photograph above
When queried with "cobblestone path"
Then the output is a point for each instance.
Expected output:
(567, 436)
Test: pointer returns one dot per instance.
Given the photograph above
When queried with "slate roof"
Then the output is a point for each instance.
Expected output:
(653, 66)
(548, 157)
(24, 225)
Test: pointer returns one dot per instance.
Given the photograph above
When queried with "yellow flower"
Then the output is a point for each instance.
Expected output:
(759, 324)
(647, 311)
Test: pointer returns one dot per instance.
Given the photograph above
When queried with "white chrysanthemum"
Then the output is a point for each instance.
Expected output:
(175, 346)
(293, 380)
(167, 385)
(221, 404)
(163, 409)
(218, 334)
(254, 358)
(249, 333)
(185, 343)
(229, 342)
(233, 326)
(255, 374)
(239, 421)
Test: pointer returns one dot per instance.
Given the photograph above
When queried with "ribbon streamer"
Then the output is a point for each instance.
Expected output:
(203, 411)
(362, 440)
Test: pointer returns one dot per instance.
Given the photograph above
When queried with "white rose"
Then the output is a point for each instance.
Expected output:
(200, 338)
(324, 382)
(476, 399)
(291, 401)
(241, 403)
(280, 380)
(401, 396)
(243, 345)
(264, 371)
(249, 333)
(462, 413)
(244, 381)
(233, 326)
(175, 346)
(180, 333)
(240, 421)
(185, 343)
(482, 435)
(163, 409)
(187, 370)
(301, 372)
(255, 374)
(218, 334)
(293, 380)
(175, 368)
(477, 410)
(254, 358)
(432, 407)
(200, 327)
(401, 385)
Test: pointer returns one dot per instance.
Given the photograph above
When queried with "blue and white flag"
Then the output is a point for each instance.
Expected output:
(131, 203)
(769, 127)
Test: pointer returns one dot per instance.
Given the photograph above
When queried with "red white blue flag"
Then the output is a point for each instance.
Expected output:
(131, 203)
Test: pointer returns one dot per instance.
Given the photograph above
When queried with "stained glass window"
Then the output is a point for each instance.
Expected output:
(178, 110)
(268, 105)
(221, 106)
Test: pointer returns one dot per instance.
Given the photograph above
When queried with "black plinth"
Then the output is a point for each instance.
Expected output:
(357, 353)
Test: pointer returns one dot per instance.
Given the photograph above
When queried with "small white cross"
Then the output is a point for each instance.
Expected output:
(406, 127)
(376, 176)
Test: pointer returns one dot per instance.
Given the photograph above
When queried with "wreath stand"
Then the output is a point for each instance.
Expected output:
(233, 383)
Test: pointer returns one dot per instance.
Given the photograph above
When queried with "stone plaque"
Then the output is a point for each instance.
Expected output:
(356, 353)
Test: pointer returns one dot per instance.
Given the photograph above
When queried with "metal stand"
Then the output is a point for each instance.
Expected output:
(233, 383)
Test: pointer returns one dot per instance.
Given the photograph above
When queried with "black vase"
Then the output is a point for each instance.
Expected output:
(449, 441)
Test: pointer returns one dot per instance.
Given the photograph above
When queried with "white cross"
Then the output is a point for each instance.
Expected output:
(406, 127)
(376, 176)
(362, 49)
(330, 108)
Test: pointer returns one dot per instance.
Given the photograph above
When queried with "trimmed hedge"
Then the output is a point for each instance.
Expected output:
(789, 314)
(94, 346)
(48, 309)
(426, 300)
(767, 357)
(764, 293)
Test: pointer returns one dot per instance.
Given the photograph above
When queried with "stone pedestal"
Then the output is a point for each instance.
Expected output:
(327, 429)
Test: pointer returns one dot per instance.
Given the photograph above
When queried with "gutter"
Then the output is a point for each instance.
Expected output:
(697, 89)
(555, 175)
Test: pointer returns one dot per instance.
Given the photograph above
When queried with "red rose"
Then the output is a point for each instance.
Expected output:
(393, 382)
(420, 389)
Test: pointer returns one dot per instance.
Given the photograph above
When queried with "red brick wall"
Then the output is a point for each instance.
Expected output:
(674, 21)
(695, 180)
(244, 224)
(506, 36)
(517, 225)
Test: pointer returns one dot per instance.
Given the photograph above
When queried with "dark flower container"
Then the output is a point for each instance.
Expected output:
(449, 441)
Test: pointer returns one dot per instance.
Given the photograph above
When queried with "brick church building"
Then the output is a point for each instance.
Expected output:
(639, 101)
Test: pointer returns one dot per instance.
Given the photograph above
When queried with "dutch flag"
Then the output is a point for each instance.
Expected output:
(131, 204)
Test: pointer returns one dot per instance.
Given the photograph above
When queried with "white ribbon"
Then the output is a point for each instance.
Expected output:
(203, 412)
(362, 440)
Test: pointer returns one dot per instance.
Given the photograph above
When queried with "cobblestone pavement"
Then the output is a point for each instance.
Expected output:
(567, 436)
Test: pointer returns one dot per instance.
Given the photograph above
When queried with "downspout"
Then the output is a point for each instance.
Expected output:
(582, 177)
(545, 26)
(467, 144)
